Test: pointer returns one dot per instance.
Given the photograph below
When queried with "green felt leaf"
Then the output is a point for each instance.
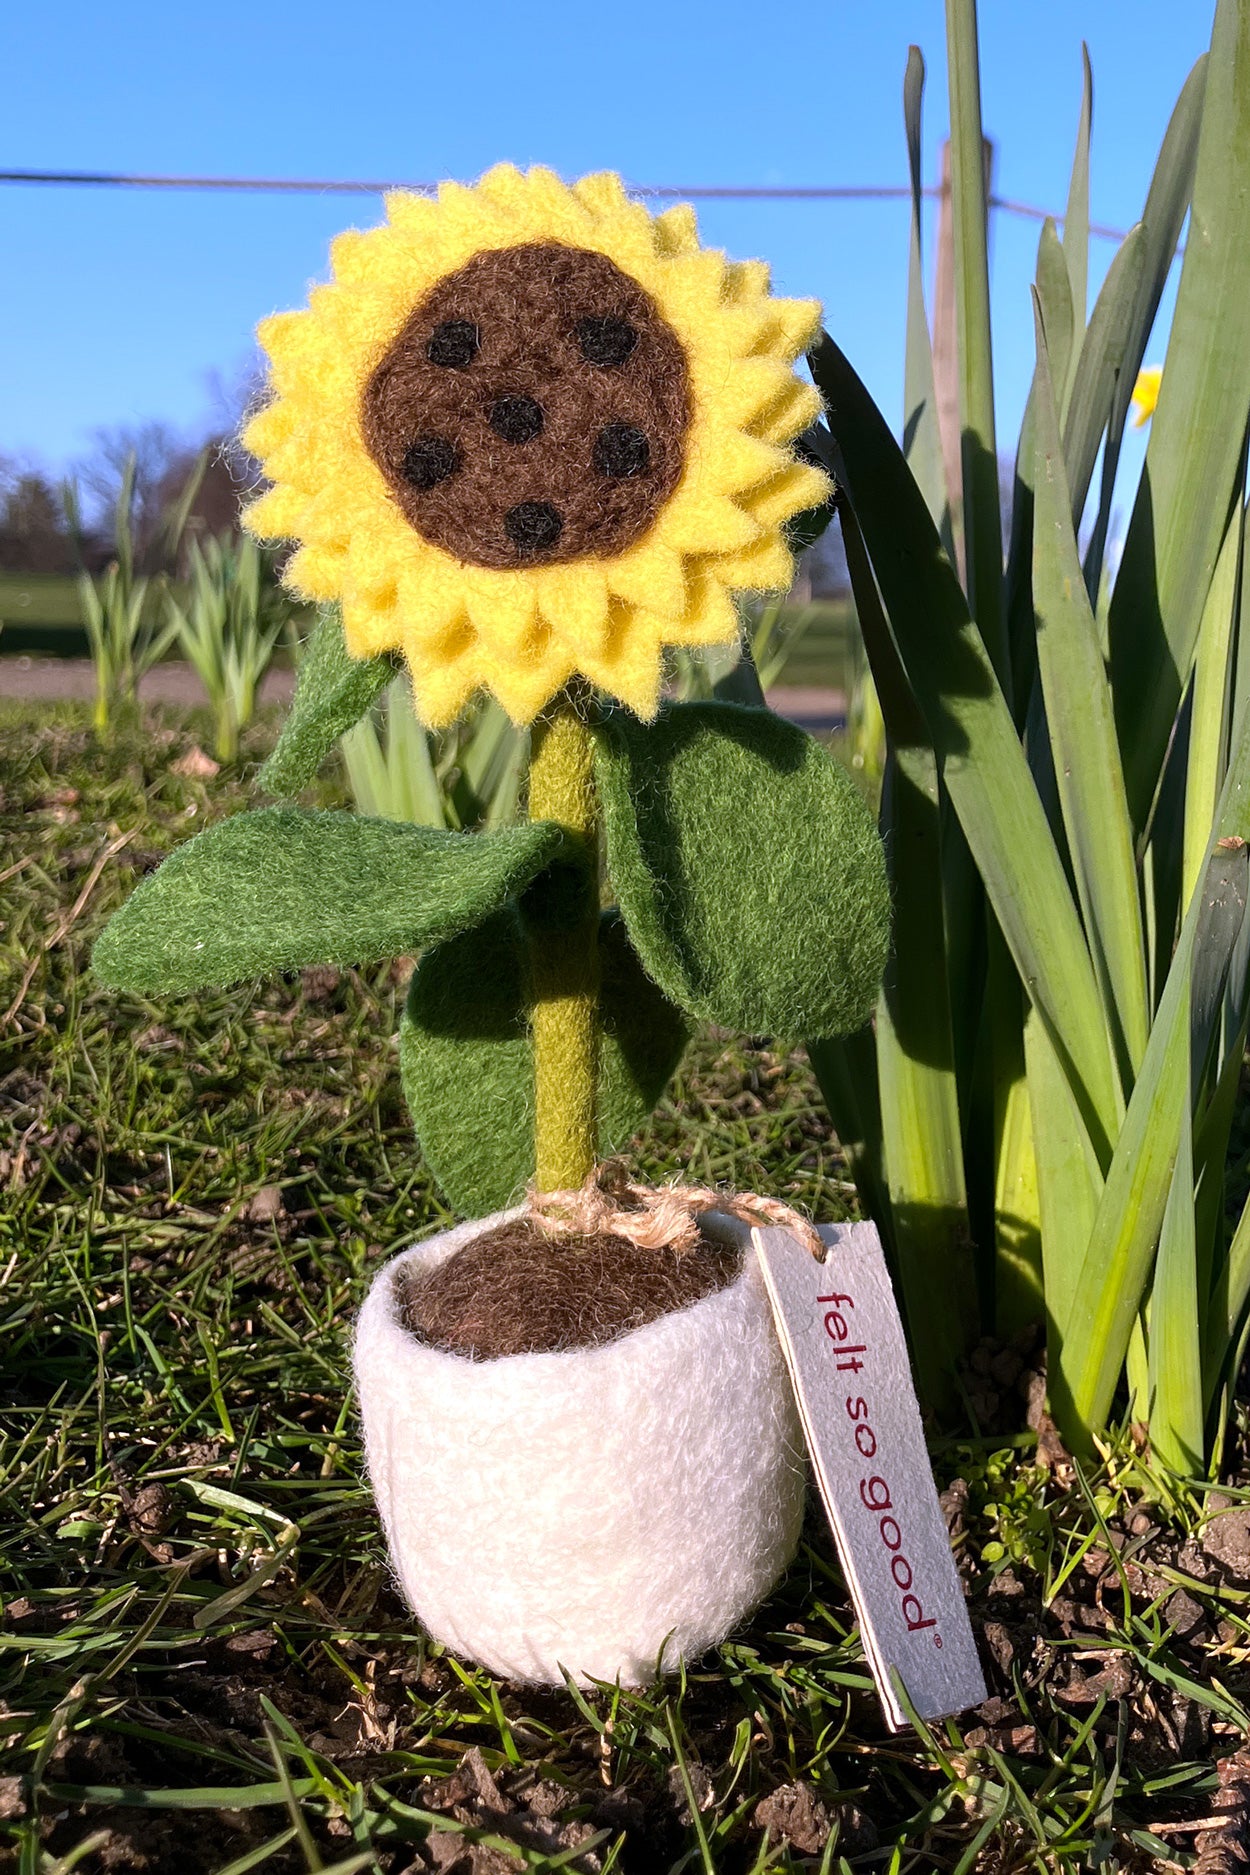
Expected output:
(284, 887)
(747, 867)
(467, 1063)
(332, 692)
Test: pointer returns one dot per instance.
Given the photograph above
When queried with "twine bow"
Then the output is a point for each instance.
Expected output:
(657, 1217)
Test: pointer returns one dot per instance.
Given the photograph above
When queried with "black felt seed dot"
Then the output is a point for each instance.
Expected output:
(517, 419)
(606, 342)
(456, 342)
(621, 449)
(429, 460)
(533, 525)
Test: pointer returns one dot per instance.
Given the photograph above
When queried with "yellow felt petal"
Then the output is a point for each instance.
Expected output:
(524, 685)
(798, 486)
(745, 330)
(441, 687)
(603, 193)
(677, 230)
(710, 618)
(767, 566)
(268, 428)
(628, 238)
(631, 666)
(377, 552)
(789, 415)
(552, 208)
(752, 389)
(793, 324)
(502, 608)
(652, 574)
(349, 256)
(431, 600)
(504, 185)
(468, 220)
(414, 215)
(315, 571)
(278, 514)
(370, 629)
(574, 601)
(713, 617)
(747, 279)
(702, 272)
(281, 332)
(730, 461)
(698, 523)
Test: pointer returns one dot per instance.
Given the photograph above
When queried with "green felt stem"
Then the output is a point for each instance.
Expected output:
(562, 928)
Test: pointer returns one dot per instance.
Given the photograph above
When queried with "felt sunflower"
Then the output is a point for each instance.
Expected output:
(530, 432)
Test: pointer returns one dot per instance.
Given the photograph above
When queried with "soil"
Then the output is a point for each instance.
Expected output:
(518, 1291)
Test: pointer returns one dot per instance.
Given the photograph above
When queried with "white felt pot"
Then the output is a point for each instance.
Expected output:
(603, 1510)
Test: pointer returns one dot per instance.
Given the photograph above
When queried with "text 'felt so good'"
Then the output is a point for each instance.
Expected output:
(843, 1342)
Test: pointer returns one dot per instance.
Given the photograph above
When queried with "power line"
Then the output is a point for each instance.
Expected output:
(291, 185)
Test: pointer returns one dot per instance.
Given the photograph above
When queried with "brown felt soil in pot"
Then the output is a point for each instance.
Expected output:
(519, 1291)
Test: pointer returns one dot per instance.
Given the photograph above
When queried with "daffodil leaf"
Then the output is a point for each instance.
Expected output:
(747, 868)
(285, 887)
(468, 1067)
(333, 690)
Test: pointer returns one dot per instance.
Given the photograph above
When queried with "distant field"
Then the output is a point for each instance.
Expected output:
(819, 660)
(41, 615)
(40, 612)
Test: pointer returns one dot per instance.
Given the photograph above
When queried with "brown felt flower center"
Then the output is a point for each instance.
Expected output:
(533, 409)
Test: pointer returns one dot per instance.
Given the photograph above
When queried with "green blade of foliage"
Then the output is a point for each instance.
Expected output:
(1208, 722)
(1116, 1268)
(282, 888)
(1175, 1351)
(390, 769)
(1197, 432)
(1069, 1181)
(1167, 204)
(1076, 222)
(1227, 1311)
(491, 757)
(1054, 291)
(1221, 916)
(921, 1137)
(970, 726)
(467, 1060)
(784, 933)
(333, 691)
(1240, 675)
(1100, 363)
(1080, 718)
(1212, 1132)
(1019, 1297)
(846, 1068)
(922, 439)
(983, 540)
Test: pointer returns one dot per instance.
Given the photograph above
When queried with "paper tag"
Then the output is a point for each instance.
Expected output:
(843, 1342)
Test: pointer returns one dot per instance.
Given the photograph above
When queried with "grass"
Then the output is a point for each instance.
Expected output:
(203, 1664)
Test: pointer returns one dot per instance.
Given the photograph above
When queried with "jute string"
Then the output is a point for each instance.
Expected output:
(657, 1217)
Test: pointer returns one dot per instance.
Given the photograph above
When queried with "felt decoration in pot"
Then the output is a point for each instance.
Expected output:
(527, 438)
(530, 431)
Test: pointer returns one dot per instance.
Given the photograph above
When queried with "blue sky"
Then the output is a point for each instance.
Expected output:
(121, 306)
